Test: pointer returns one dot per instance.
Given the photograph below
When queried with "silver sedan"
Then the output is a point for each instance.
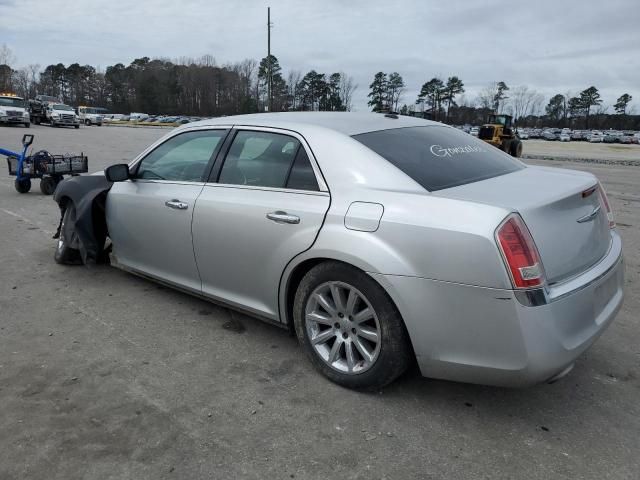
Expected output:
(381, 240)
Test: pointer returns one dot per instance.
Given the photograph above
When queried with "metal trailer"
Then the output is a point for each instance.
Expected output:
(50, 169)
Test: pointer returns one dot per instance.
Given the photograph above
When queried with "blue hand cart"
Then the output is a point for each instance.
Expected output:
(50, 169)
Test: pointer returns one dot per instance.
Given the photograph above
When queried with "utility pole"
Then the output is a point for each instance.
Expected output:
(269, 80)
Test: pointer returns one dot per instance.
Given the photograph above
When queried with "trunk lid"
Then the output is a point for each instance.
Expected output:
(550, 201)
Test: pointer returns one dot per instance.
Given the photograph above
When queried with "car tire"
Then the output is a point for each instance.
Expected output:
(341, 346)
(53, 124)
(87, 122)
(76, 126)
(27, 125)
(67, 249)
(22, 186)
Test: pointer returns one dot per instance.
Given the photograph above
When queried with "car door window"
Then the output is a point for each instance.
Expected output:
(262, 159)
(302, 176)
(182, 158)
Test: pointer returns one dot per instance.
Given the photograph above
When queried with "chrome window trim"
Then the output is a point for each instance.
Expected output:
(268, 189)
(322, 185)
(166, 182)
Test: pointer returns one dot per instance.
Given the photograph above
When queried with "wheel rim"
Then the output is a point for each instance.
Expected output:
(343, 327)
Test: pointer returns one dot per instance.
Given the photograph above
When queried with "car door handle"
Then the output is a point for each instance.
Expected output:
(283, 217)
(177, 204)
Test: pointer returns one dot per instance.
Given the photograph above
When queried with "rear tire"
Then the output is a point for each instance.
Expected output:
(67, 251)
(48, 185)
(364, 345)
(22, 186)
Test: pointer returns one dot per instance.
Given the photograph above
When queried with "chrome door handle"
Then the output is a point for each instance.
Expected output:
(177, 204)
(283, 217)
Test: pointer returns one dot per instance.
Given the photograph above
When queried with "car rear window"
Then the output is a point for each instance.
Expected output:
(439, 157)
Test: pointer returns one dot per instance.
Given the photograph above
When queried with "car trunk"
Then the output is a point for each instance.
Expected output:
(551, 202)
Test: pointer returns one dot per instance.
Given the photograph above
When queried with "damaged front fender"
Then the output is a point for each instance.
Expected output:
(88, 193)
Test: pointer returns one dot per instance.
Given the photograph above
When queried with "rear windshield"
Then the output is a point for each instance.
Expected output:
(439, 157)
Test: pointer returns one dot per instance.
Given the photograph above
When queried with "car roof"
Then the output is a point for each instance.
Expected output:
(348, 123)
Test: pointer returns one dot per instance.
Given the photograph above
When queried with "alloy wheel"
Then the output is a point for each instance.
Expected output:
(343, 327)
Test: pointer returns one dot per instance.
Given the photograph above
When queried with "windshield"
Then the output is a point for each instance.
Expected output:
(439, 157)
(62, 107)
(11, 102)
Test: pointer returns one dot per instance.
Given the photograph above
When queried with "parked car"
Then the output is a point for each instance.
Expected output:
(627, 139)
(550, 135)
(577, 135)
(523, 134)
(595, 137)
(474, 131)
(611, 137)
(564, 137)
(277, 223)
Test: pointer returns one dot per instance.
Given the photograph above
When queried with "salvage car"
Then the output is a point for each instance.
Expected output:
(380, 240)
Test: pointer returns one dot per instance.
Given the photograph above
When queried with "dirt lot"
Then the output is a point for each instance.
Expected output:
(107, 376)
(580, 150)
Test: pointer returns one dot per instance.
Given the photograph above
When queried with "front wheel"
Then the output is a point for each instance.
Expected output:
(27, 125)
(22, 186)
(516, 149)
(67, 250)
(350, 328)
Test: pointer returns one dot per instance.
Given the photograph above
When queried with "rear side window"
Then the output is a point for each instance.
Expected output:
(302, 176)
(439, 157)
(260, 159)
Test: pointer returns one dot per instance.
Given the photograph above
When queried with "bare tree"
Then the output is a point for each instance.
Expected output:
(523, 101)
(293, 89)
(347, 88)
(486, 96)
(6, 55)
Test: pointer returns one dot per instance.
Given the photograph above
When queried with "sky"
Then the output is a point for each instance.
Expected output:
(553, 47)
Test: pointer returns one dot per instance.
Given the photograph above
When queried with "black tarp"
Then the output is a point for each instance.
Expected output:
(89, 194)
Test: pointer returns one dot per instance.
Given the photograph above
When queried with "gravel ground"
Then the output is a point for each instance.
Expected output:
(104, 375)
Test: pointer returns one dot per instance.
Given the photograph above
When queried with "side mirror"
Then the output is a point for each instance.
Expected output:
(117, 173)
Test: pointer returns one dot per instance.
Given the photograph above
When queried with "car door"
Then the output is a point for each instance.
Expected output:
(265, 203)
(149, 217)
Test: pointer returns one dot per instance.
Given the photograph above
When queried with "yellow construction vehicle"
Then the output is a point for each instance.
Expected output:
(500, 133)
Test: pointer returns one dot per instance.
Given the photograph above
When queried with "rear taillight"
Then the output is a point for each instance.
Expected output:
(520, 253)
(604, 201)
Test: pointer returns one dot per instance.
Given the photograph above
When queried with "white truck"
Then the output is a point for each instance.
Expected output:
(13, 110)
(91, 115)
(61, 115)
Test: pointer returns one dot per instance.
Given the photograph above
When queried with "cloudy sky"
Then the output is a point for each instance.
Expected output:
(552, 46)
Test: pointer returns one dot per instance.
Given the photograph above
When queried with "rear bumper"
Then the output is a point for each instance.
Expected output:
(484, 335)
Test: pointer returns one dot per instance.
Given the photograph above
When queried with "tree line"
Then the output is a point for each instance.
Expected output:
(182, 87)
(443, 100)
